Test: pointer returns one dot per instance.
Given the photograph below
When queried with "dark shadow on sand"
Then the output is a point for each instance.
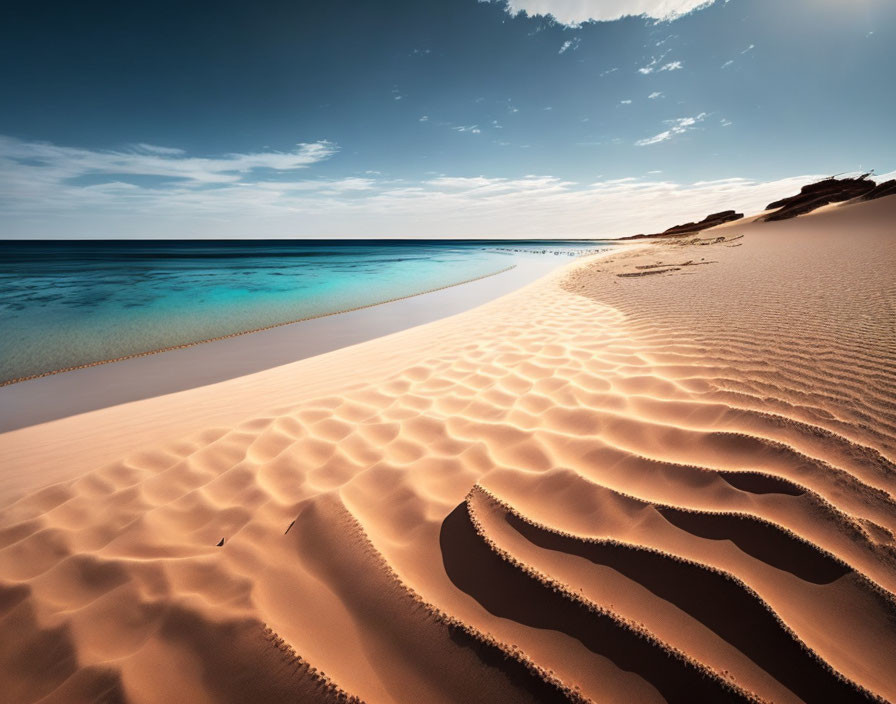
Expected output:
(506, 591)
(718, 602)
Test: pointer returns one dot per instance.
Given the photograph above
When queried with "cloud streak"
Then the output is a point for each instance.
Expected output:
(64, 163)
(575, 12)
(677, 126)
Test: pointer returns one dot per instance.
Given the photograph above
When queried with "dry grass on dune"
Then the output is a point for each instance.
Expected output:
(670, 487)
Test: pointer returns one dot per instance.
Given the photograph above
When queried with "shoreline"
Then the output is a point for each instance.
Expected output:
(199, 404)
(60, 393)
(250, 331)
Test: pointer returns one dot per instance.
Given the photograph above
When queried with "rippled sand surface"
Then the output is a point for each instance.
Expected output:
(676, 486)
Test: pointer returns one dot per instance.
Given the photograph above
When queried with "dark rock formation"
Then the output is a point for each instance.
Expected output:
(706, 223)
(815, 195)
(887, 188)
(690, 227)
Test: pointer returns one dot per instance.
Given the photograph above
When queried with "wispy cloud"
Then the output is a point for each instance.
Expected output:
(40, 198)
(472, 129)
(150, 160)
(745, 51)
(575, 12)
(656, 94)
(625, 102)
(651, 67)
(569, 45)
(657, 65)
(677, 126)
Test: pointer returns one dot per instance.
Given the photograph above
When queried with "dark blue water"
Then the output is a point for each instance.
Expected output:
(64, 304)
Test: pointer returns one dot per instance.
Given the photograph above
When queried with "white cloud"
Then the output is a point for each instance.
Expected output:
(727, 63)
(473, 129)
(423, 118)
(656, 94)
(609, 71)
(676, 127)
(625, 102)
(655, 61)
(148, 160)
(39, 199)
(569, 45)
(574, 12)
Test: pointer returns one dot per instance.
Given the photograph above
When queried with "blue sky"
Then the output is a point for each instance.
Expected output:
(567, 118)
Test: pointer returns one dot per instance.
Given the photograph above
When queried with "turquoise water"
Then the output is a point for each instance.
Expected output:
(64, 304)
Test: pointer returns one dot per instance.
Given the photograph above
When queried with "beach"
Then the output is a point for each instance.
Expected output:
(664, 474)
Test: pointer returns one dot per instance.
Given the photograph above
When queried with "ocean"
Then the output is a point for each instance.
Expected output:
(65, 304)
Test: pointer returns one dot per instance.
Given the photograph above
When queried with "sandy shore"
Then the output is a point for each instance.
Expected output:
(610, 485)
(100, 385)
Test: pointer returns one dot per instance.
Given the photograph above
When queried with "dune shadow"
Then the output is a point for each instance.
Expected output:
(506, 591)
(715, 600)
(756, 483)
(761, 540)
(541, 690)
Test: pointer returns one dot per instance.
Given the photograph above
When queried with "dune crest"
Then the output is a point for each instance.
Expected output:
(676, 487)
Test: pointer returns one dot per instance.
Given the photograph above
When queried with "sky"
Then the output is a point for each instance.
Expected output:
(431, 118)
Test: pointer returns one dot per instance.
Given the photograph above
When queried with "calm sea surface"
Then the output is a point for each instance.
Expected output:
(63, 304)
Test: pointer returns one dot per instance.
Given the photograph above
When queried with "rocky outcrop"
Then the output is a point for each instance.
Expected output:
(705, 223)
(887, 188)
(691, 227)
(815, 195)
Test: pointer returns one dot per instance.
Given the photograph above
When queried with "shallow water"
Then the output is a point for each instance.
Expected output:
(64, 304)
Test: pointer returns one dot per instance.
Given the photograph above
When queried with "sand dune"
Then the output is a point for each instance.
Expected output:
(601, 487)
